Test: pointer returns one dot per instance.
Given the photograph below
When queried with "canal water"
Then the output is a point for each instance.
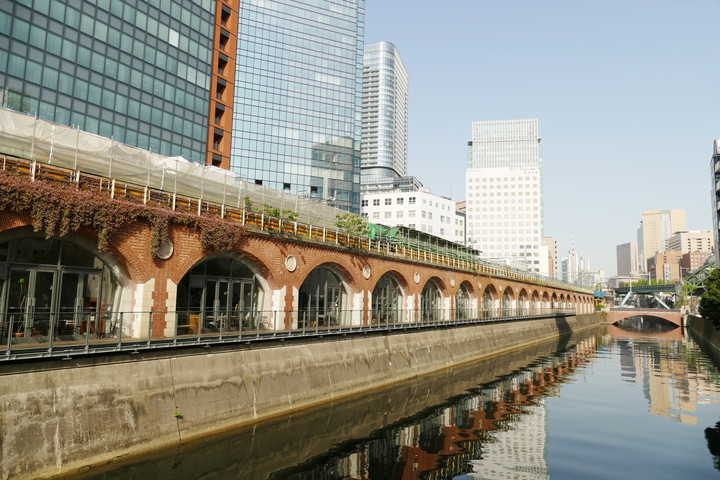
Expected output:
(603, 404)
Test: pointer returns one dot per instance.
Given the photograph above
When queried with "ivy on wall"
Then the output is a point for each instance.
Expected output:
(58, 209)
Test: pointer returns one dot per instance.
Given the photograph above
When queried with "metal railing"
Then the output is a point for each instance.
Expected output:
(55, 335)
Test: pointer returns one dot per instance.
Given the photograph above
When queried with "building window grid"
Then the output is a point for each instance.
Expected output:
(139, 50)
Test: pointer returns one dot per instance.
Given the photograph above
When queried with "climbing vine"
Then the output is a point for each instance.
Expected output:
(58, 210)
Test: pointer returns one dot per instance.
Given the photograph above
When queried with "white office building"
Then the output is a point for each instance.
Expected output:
(504, 217)
(417, 209)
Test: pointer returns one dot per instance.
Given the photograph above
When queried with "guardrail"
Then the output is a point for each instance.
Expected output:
(64, 335)
(119, 189)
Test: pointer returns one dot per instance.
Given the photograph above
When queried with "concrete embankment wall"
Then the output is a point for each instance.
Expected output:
(705, 333)
(80, 412)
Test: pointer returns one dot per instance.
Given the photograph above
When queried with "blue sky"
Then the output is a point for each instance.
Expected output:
(626, 93)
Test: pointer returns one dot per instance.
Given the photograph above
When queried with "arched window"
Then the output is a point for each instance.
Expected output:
(463, 307)
(507, 306)
(487, 304)
(219, 295)
(387, 301)
(430, 302)
(321, 300)
(55, 290)
(521, 305)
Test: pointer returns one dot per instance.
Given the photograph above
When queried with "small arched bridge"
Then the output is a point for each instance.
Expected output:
(619, 314)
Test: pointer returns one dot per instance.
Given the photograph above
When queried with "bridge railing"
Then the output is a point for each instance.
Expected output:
(119, 189)
(61, 334)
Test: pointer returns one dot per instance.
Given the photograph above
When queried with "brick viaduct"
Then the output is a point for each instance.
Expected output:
(282, 264)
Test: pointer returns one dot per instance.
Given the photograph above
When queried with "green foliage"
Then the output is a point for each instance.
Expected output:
(248, 204)
(710, 300)
(275, 212)
(352, 224)
(57, 210)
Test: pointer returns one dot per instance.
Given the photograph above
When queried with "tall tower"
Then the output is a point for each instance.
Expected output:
(504, 193)
(384, 114)
(656, 227)
(715, 198)
(626, 256)
(298, 93)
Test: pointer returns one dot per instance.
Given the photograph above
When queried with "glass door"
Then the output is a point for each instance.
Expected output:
(17, 303)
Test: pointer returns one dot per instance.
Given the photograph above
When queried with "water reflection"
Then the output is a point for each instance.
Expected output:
(499, 418)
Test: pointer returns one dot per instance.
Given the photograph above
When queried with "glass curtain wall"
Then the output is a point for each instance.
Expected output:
(298, 98)
(137, 71)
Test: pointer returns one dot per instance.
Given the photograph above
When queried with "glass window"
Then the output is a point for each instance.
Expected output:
(72, 17)
(50, 78)
(37, 36)
(84, 55)
(16, 65)
(33, 72)
(21, 30)
(69, 50)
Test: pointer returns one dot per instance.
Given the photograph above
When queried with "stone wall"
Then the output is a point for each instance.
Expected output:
(705, 333)
(56, 420)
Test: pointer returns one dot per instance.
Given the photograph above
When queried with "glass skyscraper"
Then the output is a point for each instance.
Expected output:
(137, 71)
(297, 101)
(385, 115)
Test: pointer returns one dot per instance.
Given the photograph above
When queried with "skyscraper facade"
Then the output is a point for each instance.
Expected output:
(137, 71)
(715, 198)
(626, 256)
(656, 227)
(298, 93)
(384, 114)
(504, 192)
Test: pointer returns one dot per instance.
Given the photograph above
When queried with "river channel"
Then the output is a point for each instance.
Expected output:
(603, 403)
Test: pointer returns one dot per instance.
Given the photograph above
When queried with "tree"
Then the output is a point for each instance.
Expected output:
(710, 300)
(352, 224)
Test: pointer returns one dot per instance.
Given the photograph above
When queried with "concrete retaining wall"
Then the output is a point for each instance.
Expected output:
(705, 333)
(55, 421)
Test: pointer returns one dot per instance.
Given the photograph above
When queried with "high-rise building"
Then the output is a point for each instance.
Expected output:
(552, 256)
(504, 192)
(384, 115)
(270, 90)
(136, 71)
(627, 259)
(655, 229)
(691, 241)
(715, 197)
(298, 98)
(460, 223)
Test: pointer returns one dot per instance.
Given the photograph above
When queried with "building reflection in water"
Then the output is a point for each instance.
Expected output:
(673, 381)
(498, 430)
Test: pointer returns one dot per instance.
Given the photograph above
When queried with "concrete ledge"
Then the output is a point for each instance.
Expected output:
(54, 422)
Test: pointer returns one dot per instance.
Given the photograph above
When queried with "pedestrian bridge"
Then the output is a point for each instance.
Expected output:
(618, 314)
